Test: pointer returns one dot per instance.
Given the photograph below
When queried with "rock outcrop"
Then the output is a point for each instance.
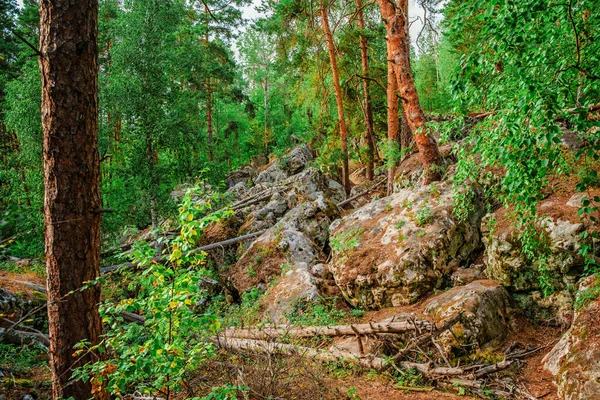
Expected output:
(575, 360)
(394, 250)
(298, 237)
(505, 261)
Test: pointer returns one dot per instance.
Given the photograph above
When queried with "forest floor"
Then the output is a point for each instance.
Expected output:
(25, 369)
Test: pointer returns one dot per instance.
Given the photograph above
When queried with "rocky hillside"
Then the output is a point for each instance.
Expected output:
(451, 299)
(410, 248)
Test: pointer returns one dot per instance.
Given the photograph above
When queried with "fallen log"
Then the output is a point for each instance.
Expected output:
(432, 372)
(19, 337)
(131, 317)
(32, 286)
(263, 346)
(490, 369)
(338, 330)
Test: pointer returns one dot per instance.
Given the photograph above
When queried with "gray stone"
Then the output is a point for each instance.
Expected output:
(272, 174)
(295, 285)
(463, 276)
(242, 175)
(298, 237)
(297, 159)
(320, 271)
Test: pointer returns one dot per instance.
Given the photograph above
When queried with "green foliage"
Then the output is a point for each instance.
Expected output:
(21, 360)
(591, 293)
(533, 63)
(423, 215)
(410, 378)
(158, 355)
(246, 313)
(321, 312)
(227, 392)
(346, 241)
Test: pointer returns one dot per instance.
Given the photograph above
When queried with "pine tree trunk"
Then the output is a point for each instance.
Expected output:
(397, 34)
(266, 114)
(392, 116)
(338, 97)
(72, 206)
(209, 114)
(209, 120)
(364, 57)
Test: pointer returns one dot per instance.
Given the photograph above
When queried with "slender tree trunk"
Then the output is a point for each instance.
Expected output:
(72, 206)
(338, 97)
(150, 159)
(396, 26)
(209, 121)
(392, 116)
(266, 112)
(209, 115)
(364, 57)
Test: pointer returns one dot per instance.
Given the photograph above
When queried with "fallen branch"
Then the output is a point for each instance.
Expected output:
(427, 337)
(30, 285)
(131, 317)
(432, 372)
(19, 337)
(343, 203)
(490, 369)
(338, 330)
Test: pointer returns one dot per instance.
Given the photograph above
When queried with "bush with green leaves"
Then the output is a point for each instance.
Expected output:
(156, 357)
(534, 66)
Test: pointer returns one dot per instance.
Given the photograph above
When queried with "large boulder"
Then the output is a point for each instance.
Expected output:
(575, 360)
(409, 172)
(272, 174)
(393, 250)
(296, 284)
(309, 184)
(485, 307)
(297, 159)
(506, 262)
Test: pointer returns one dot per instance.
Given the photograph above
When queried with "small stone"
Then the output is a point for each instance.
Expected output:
(463, 276)
(575, 200)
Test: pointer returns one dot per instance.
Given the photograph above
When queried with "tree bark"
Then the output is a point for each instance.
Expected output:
(364, 57)
(69, 70)
(392, 115)
(338, 96)
(209, 114)
(396, 27)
